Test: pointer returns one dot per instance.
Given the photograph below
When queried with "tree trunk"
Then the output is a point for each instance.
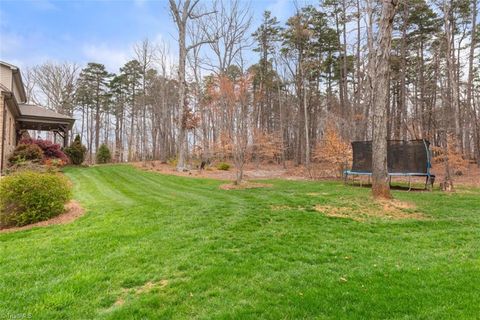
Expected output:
(380, 179)
(403, 102)
(470, 102)
(452, 79)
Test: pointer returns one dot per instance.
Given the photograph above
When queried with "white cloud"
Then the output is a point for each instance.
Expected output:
(112, 58)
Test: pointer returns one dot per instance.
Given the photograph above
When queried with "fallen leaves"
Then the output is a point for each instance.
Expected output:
(245, 185)
(384, 209)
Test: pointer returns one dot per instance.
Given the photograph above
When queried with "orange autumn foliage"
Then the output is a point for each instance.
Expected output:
(333, 150)
(455, 159)
(266, 146)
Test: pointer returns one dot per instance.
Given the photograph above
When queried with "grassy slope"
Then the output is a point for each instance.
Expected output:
(226, 254)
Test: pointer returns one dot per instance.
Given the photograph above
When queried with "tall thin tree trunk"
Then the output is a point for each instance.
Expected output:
(471, 56)
(380, 178)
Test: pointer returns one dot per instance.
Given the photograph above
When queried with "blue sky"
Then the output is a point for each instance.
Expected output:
(33, 32)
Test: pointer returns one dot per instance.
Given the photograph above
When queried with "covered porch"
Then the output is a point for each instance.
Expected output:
(36, 118)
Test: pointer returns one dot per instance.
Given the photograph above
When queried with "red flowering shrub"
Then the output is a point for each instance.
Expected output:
(26, 152)
(50, 150)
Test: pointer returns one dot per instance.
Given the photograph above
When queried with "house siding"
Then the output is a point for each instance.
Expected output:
(16, 92)
(6, 75)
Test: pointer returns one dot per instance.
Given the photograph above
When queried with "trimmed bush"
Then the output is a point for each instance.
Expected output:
(50, 149)
(103, 154)
(223, 166)
(27, 197)
(76, 152)
(26, 152)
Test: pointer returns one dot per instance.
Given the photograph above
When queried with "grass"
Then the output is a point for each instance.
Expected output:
(163, 247)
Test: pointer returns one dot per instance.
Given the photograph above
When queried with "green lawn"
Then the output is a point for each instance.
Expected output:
(160, 247)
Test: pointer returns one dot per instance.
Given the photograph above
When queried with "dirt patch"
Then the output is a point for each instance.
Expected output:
(339, 212)
(316, 194)
(147, 287)
(73, 211)
(120, 302)
(245, 185)
(384, 209)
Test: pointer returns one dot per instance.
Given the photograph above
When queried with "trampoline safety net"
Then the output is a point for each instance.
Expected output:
(402, 156)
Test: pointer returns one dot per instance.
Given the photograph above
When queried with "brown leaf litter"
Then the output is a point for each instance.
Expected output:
(244, 185)
(73, 211)
(382, 209)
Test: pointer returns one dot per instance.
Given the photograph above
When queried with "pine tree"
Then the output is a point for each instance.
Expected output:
(94, 82)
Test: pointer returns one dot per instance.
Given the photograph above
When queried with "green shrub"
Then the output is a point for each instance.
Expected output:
(223, 166)
(103, 154)
(76, 151)
(28, 197)
(31, 166)
(26, 152)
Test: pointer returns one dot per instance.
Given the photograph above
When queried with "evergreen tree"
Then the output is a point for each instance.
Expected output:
(76, 151)
(103, 154)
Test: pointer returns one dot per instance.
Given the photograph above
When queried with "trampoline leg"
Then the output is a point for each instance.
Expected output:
(409, 183)
(429, 183)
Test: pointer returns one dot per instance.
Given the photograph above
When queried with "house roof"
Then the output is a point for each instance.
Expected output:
(31, 116)
(38, 118)
(6, 64)
(17, 76)
(36, 111)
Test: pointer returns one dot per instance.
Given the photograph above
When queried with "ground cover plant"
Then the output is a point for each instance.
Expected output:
(154, 246)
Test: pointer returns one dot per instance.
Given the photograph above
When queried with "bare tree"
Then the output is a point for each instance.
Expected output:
(145, 54)
(56, 85)
(28, 77)
(226, 31)
(183, 12)
(470, 95)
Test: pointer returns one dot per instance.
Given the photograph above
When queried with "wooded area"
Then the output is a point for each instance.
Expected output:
(318, 75)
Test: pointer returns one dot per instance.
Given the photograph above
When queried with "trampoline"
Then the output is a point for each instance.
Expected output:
(404, 158)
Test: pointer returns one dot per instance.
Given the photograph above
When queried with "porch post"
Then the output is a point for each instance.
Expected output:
(65, 139)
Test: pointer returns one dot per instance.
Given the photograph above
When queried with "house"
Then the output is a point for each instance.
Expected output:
(17, 116)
